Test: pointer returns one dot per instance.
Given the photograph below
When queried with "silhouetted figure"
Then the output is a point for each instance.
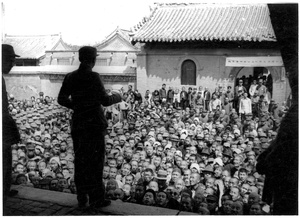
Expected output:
(83, 92)
(10, 131)
(280, 161)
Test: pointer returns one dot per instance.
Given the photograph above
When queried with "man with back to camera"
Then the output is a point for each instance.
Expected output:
(10, 132)
(84, 93)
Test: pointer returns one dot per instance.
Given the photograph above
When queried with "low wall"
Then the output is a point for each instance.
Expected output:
(24, 82)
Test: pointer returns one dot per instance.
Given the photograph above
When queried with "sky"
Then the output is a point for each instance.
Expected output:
(80, 22)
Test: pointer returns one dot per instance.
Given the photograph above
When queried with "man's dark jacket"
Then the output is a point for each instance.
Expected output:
(87, 95)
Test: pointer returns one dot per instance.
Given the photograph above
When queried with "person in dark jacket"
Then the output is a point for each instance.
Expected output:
(183, 98)
(170, 95)
(163, 95)
(84, 93)
(206, 98)
(10, 133)
(280, 161)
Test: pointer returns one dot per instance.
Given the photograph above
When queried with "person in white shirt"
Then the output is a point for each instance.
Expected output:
(245, 105)
(214, 103)
(252, 88)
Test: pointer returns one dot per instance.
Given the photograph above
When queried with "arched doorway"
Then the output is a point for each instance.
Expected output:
(188, 73)
(249, 74)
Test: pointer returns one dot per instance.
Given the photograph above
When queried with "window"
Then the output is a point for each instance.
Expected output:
(63, 61)
(101, 62)
(188, 73)
(26, 62)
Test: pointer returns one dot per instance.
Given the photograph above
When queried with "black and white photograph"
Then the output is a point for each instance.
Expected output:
(149, 108)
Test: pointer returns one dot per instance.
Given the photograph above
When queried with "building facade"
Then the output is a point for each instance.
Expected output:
(208, 45)
(116, 64)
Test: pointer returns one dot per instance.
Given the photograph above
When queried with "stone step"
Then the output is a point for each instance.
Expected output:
(70, 200)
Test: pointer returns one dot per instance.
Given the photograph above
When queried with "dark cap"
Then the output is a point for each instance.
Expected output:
(87, 53)
(8, 51)
(212, 198)
(227, 152)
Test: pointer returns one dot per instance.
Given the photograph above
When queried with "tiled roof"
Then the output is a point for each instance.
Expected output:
(32, 46)
(124, 34)
(206, 22)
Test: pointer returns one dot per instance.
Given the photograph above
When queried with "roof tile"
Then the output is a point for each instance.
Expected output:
(184, 22)
(32, 47)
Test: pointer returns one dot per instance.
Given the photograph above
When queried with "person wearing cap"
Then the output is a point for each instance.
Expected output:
(161, 179)
(212, 204)
(10, 132)
(88, 94)
(238, 91)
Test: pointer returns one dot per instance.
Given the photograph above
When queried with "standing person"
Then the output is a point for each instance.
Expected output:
(253, 88)
(83, 91)
(129, 91)
(245, 106)
(215, 101)
(183, 98)
(190, 93)
(262, 89)
(170, 96)
(10, 133)
(229, 94)
(238, 92)
(163, 95)
(206, 98)
(227, 106)
(176, 98)
(199, 100)
(193, 98)
(201, 91)
(137, 96)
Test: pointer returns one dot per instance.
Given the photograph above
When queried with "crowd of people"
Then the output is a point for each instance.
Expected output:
(188, 150)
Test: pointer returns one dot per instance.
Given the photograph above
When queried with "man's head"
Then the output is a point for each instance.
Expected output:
(148, 175)
(195, 179)
(235, 193)
(237, 208)
(242, 174)
(212, 202)
(176, 174)
(233, 182)
(87, 54)
(8, 58)
(162, 199)
(227, 207)
(186, 204)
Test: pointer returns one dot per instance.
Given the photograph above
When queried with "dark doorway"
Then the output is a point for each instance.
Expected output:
(188, 73)
(255, 73)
